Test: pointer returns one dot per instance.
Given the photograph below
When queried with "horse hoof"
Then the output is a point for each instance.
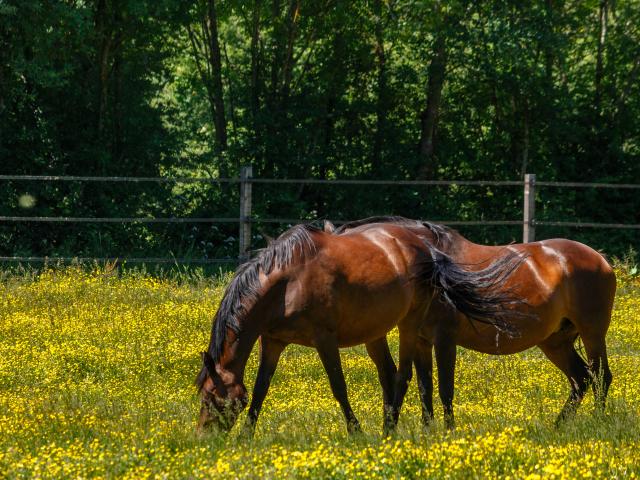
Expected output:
(427, 421)
(247, 433)
(388, 429)
(354, 428)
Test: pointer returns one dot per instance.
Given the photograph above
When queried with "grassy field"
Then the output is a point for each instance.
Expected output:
(96, 380)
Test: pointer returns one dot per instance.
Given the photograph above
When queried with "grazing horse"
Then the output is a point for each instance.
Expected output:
(319, 289)
(568, 291)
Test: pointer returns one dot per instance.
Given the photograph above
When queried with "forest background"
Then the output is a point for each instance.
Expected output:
(393, 90)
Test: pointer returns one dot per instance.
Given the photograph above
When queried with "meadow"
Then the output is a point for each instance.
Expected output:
(96, 380)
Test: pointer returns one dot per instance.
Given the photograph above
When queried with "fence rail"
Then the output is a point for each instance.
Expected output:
(159, 260)
(72, 178)
(120, 219)
(312, 181)
(245, 218)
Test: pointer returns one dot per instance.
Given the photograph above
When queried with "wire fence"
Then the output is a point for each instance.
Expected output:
(309, 181)
(245, 219)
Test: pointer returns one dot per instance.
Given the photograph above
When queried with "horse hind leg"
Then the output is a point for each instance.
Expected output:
(592, 319)
(445, 350)
(408, 329)
(423, 362)
(559, 348)
(599, 370)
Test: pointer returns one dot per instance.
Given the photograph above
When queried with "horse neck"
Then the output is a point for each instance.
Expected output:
(452, 245)
(265, 303)
(238, 346)
(236, 351)
(459, 244)
(465, 251)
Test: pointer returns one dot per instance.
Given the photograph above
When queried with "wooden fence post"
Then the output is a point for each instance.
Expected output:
(529, 228)
(246, 173)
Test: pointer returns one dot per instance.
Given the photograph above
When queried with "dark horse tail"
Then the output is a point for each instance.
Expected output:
(480, 295)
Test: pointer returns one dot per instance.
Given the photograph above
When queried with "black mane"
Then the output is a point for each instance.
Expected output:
(243, 291)
(441, 234)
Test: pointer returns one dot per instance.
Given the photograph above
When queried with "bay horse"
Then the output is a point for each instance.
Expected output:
(319, 289)
(567, 290)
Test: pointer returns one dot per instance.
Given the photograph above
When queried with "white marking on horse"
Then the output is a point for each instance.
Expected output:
(393, 259)
(533, 269)
(558, 256)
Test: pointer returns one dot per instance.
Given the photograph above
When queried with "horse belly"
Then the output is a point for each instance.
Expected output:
(368, 316)
(489, 340)
(544, 320)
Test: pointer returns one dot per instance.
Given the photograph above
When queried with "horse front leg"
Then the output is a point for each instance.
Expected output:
(327, 346)
(378, 351)
(446, 361)
(270, 351)
(423, 362)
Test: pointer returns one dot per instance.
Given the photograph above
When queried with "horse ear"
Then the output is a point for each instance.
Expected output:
(268, 238)
(329, 227)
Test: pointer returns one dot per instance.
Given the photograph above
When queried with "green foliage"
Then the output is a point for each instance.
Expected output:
(627, 269)
(314, 89)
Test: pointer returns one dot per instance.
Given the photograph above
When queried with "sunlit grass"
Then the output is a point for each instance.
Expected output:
(96, 380)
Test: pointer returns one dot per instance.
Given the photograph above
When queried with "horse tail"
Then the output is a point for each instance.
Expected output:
(480, 295)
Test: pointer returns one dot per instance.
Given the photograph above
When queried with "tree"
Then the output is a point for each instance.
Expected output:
(205, 44)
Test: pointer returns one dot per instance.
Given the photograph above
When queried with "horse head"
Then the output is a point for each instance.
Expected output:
(222, 397)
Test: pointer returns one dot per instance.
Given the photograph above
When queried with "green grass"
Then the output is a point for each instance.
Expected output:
(96, 380)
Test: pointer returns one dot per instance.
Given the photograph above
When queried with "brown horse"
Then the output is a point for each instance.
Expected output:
(568, 291)
(327, 291)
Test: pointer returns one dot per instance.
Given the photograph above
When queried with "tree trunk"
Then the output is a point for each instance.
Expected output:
(603, 15)
(232, 103)
(276, 61)
(525, 139)
(626, 91)
(255, 66)
(205, 45)
(429, 116)
(552, 54)
(215, 61)
(3, 88)
(118, 106)
(289, 61)
(104, 64)
(381, 104)
(272, 123)
(548, 46)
